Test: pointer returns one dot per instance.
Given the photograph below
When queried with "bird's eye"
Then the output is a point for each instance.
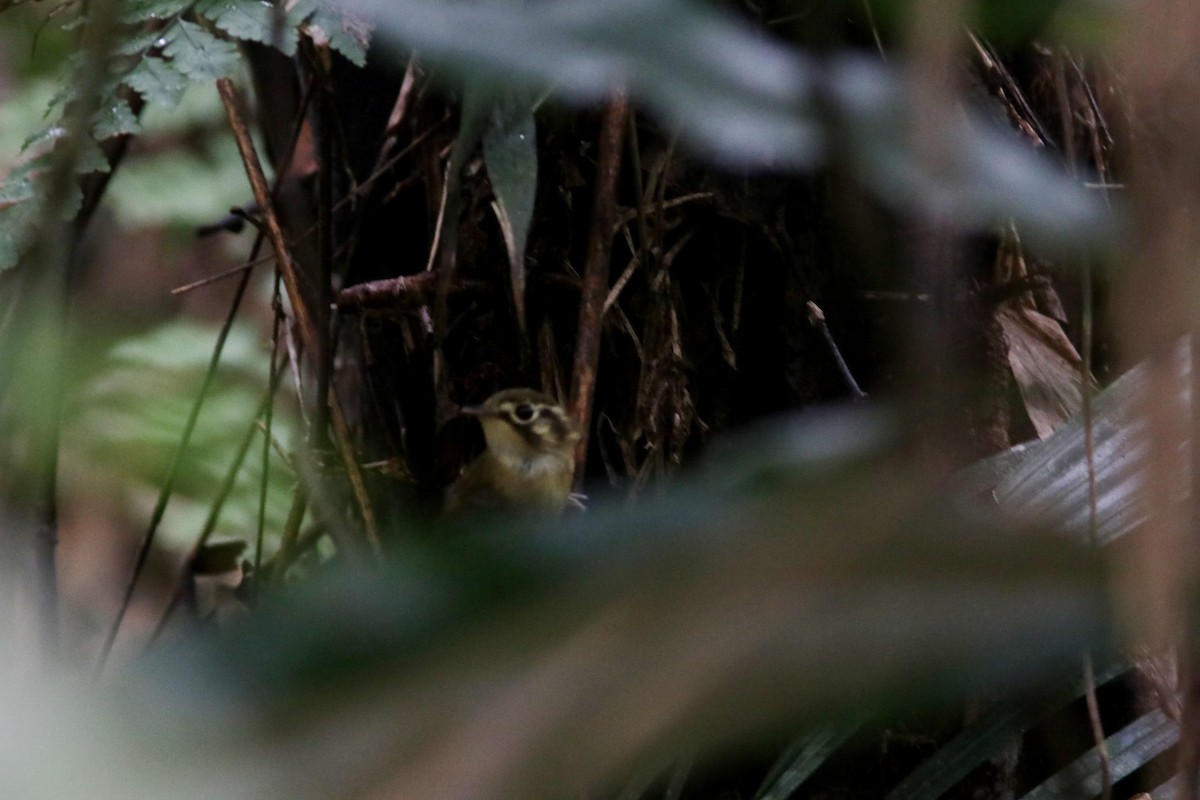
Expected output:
(523, 412)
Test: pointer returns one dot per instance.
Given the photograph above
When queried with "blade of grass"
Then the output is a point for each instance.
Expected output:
(1130, 748)
(970, 748)
(804, 756)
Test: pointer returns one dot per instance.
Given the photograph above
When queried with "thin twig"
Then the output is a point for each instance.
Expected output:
(443, 253)
(403, 293)
(190, 425)
(323, 354)
(168, 485)
(214, 512)
(272, 380)
(358, 191)
(262, 195)
(366, 185)
(289, 344)
(220, 276)
(399, 108)
(49, 265)
(1097, 727)
(642, 253)
(1066, 116)
(595, 273)
(1092, 101)
(727, 351)
(1095, 722)
(304, 321)
(615, 292)
(674, 202)
(1023, 115)
(874, 31)
(436, 244)
(816, 318)
(341, 438)
(295, 542)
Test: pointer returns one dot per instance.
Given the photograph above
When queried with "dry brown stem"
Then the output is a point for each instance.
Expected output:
(595, 271)
(305, 325)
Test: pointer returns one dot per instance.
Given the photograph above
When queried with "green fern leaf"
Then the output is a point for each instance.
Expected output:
(328, 26)
(114, 119)
(141, 11)
(91, 159)
(16, 224)
(199, 55)
(22, 201)
(158, 81)
(254, 21)
(141, 42)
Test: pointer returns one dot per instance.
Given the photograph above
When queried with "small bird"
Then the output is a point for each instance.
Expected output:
(529, 460)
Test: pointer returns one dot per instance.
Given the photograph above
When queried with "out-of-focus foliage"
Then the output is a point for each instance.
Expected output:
(510, 149)
(989, 175)
(805, 756)
(1015, 20)
(1129, 748)
(185, 186)
(987, 736)
(748, 101)
(527, 662)
(124, 418)
(20, 114)
(161, 53)
(1050, 481)
(809, 576)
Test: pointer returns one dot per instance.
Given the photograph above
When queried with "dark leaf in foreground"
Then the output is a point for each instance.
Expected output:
(517, 663)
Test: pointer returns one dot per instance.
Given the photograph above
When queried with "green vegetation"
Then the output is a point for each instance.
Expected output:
(834, 290)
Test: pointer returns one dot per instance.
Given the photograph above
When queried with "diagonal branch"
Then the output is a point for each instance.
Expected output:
(309, 335)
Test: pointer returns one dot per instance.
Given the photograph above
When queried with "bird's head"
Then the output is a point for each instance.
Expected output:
(525, 424)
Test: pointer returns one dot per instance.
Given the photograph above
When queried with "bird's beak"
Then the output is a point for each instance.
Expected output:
(473, 411)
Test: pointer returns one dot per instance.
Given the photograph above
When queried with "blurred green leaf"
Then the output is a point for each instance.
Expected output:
(139, 11)
(527, 660)
(114, 120)
(1010, 20)
(328, 23)
(21, 112)
(146, 190)
(739, 97)
(986, 176)
(731, 92)
(510, 151)
(254, 21)
(695, 621)
(198, 54)
(158, 81)
(126, 418)
(42, 142)
(22, 203)
(20, 209)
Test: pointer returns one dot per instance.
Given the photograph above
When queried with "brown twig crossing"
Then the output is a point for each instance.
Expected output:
(306, 326)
